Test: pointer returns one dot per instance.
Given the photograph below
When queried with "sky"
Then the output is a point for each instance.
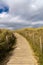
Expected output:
(22, 13)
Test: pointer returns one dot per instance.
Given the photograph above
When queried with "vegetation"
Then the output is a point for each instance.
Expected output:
(35, 38)
(7, 40)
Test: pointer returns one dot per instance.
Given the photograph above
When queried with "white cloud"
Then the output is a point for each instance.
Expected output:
(17, 19)
(38, 22)
(4, 15)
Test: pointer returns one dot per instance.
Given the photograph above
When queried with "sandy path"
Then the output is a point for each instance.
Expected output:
(23, 54)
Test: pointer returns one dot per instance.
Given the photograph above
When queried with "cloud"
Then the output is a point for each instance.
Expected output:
(25, 12)
(4, 15)
(26, 9)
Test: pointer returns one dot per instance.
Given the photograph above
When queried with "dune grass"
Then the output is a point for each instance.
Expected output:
(7, 40)
(35, 38)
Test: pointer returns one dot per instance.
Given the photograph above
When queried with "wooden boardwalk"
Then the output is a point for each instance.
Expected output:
(23, 54)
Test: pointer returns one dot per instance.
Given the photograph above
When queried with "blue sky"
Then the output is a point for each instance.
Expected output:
(25, 12)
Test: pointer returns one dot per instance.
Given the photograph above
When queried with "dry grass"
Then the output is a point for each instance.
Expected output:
(35, 37)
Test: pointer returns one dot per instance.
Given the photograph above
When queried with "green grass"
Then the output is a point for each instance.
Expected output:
(35, 38)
